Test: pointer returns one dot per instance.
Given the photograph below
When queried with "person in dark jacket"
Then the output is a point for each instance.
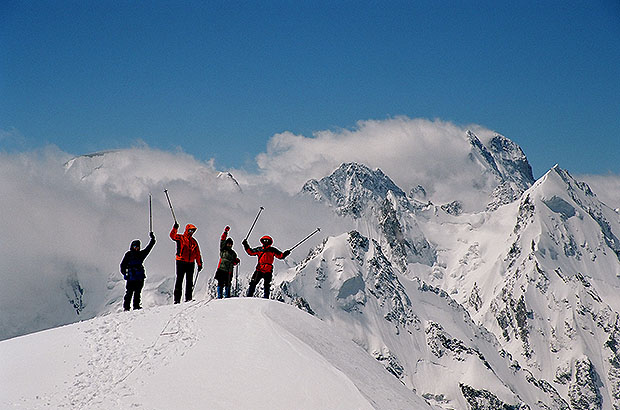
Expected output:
(188, 254)
(228, 260)
(264, 265)
(132, 269)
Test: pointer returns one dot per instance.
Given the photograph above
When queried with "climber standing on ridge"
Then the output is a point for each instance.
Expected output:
(132, 269)
(188, 253)
(264, 265)
(228, 260)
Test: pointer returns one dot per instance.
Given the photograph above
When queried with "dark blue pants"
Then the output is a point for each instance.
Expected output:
(224, 280)
(133, 289)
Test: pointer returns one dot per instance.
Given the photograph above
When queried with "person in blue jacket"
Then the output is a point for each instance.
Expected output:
(132, 269)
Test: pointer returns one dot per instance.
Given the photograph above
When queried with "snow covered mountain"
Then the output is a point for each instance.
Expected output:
(540, 272)
(500, 296)
(499, 168)
(379, 207)
(352, 189)
(421, 335)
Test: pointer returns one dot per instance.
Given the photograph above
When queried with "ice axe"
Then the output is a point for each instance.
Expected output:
(305, 239)
(150, 213)
(171, 209)
(254, 223)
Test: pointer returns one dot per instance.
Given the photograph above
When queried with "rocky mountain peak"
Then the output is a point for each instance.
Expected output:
(506, 163)
(503, 158)
(511, 161)
(352, 188)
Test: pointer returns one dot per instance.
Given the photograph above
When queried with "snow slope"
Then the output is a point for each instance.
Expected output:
(230, 354)
(419, 333)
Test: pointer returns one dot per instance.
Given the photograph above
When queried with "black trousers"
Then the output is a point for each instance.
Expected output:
(133, 289)
(256, 277)
(184, 270)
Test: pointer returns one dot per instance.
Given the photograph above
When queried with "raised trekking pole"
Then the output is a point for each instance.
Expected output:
(254, 223)
(305, 239)
(150, 213)
(171, 209)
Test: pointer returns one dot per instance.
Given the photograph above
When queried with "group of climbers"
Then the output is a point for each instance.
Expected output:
(188, 256)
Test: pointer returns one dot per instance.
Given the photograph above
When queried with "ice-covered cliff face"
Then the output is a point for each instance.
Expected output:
(353, 189)
(504, 158)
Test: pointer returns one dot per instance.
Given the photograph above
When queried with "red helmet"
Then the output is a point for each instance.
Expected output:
(266, 240)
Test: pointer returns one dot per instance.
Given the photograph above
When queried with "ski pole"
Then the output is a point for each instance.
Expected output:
(150, 213)
(237, 282)
(305, 239)
(195, 281)
(171, 209)
(254, 223)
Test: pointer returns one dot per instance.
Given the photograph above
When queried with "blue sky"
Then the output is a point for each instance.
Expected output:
(219, 79)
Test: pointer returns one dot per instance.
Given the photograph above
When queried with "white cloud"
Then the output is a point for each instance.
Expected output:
(606, 188)
(132, 172)
(11, 138)
(64, 220)
(412, 152)
(73, 219)
(61, 225)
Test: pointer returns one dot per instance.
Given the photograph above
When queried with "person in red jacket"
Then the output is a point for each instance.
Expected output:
(188, 253)
(264, 265)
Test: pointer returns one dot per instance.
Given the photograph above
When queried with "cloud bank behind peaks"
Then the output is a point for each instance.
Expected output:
(433, 154)
(69, 221)
(133, 172)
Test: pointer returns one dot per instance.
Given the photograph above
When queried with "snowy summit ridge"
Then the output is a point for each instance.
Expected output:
(172, 357)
